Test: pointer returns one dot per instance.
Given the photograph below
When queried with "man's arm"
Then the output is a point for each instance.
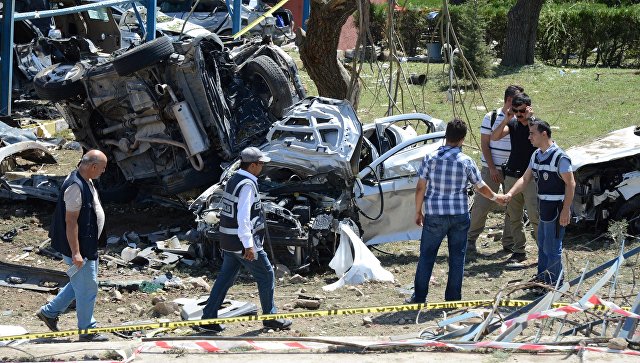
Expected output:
(496, 176)
(569, 191)
(71, 221)
(520, 184)
(420, 190)
(245, 229)
(502, 130)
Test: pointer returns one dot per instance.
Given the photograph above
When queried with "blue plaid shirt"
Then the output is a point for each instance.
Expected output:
(448, 172)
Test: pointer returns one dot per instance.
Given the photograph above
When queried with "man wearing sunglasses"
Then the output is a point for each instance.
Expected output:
(494, 154)
(516, 165)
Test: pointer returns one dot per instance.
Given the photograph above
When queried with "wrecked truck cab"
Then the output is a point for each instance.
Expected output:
(607, 174)
(167, 114)
(323, 170)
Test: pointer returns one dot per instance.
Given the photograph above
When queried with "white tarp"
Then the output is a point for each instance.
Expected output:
(357, 268)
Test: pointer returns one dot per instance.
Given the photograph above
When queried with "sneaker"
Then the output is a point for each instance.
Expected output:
(281, 324)
(51, 323)
(517, 260)
(95, 337)
(210, 328)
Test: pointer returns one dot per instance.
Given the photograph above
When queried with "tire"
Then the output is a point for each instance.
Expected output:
(268, 80)
(60, 81)
(630, 211)
(114, 188)
(143, 56)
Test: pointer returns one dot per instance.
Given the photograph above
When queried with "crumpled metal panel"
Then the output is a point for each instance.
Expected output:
(615, 145)
(318, 135)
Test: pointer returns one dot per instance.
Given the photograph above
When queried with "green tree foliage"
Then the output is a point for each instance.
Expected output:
(470, 26)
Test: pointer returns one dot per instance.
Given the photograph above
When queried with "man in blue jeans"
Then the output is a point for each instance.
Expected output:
(442, 191)
(242, 229)
(78, 221)
(551, 169)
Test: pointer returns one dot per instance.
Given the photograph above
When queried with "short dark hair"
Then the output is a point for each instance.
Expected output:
(512, 91)
(244, 165)
(456, 130)
(521, 99)
(541, 126)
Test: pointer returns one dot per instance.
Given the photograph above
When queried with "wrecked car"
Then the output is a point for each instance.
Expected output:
(324, 169)
(607, 174)
(214, 16)
(167, 114)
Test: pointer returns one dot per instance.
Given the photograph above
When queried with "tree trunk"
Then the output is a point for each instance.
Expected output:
(319, 48)
(522, 26)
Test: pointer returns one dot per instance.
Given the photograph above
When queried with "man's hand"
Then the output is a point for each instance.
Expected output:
(529, 112)
(496, 175)
(249, 254)
(565, 216)
(419, 218)
(77, 259)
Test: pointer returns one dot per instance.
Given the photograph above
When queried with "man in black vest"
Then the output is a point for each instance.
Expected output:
(242, 228)
(551, 168)
(521, 151)
(78, 222)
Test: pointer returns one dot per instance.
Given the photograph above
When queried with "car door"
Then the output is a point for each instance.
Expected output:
(386, 191)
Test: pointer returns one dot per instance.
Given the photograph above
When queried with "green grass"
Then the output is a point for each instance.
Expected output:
(578, 107)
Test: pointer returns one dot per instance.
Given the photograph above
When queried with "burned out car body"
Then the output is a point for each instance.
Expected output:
(167, 114)
(323, 170)
(607, 174)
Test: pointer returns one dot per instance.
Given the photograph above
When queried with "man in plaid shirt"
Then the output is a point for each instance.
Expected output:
(442, 190)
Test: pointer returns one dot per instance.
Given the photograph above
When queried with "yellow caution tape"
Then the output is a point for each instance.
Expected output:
(260, 18)
(295, 315)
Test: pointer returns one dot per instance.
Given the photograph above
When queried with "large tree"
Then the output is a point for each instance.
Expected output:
(522, 26)
(318, 47)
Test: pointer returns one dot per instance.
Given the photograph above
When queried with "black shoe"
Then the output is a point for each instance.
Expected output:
(412, 300)
(95, 337)
(281, 324)
(210, 328)
(51, 323)
(517, 260)
(471, 248)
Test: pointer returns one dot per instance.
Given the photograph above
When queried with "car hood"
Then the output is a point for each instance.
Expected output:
(615, 145)
(164, 23)
(318, 135)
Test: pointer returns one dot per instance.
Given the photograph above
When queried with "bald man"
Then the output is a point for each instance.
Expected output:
(77, 224)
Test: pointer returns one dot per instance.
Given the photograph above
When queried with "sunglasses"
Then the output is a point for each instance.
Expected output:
(522, 110)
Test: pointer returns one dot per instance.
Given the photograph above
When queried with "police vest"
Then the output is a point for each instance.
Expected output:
(228, 226)
(550, 184)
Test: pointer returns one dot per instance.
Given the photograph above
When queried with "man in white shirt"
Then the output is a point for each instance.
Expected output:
(77, 224)
(242, 228)
(494, 154)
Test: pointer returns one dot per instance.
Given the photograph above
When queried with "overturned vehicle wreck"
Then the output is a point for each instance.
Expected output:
(326, 168)
(167, 114)
(607, 173)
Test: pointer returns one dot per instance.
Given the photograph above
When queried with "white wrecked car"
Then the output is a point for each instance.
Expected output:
(607, 173)
(325, 169)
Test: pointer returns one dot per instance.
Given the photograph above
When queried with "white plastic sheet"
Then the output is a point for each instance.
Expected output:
(357, 268)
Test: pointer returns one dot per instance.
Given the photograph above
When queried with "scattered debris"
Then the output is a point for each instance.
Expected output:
(31, 278)
(297, 279)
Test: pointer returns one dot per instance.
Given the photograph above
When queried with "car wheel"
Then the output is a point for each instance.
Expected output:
(114, 188)
(271, 84)
(59, 81)
(630, 210)
(143, 56)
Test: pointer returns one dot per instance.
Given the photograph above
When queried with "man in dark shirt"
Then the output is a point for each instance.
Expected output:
(521, 151)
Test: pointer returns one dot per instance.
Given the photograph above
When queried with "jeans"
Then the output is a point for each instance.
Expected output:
(515, 209)
(481, 208)
(83, 288)
(550, 251)
(260, 269)
(455, 228)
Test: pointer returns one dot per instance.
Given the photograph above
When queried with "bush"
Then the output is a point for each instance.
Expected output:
(469, 25)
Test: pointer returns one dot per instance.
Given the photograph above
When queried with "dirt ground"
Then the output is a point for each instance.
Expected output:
(484, 277)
